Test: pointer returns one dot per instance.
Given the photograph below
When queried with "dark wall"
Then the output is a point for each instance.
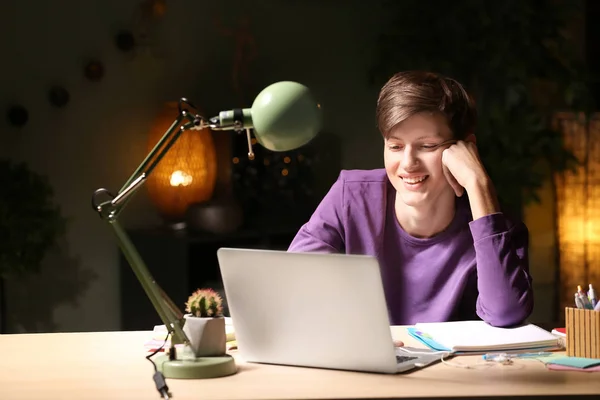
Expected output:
(99, 137)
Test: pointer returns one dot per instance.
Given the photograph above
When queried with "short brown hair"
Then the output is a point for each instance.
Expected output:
(408, 93)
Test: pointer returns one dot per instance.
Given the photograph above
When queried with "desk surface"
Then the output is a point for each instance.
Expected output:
(111, 365)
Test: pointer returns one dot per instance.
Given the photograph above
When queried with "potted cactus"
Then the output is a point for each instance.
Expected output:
(205, 324)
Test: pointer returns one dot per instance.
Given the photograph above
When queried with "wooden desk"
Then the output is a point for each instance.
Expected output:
(111, 365)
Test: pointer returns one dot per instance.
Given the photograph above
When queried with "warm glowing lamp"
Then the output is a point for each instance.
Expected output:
(578, 207)
(187, 174)
(284, 116)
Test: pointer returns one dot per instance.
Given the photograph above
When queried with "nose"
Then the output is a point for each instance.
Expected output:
(410, 158)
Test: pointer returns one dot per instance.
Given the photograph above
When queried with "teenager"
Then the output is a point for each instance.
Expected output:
(431, 216)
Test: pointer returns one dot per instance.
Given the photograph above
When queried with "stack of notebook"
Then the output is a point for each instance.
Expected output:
(479, 337)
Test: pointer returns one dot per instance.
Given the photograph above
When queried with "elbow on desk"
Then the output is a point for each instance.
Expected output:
(507, 315)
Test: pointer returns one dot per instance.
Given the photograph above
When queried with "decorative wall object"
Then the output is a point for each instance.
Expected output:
(244, 54)
(94, 70)
(58, 96)
(187, 173)
(17, 115)
(125, 40)
(145, 25)
(578, 207)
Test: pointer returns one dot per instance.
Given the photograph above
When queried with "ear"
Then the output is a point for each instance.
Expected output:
(471, 138)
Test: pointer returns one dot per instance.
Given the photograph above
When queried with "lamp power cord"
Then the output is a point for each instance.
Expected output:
(159, 379)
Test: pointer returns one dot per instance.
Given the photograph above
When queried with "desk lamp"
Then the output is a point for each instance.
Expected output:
(284, 116)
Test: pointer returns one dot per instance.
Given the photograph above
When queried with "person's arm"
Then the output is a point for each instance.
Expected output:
(501, 249)
(324, 231)
(504, 284)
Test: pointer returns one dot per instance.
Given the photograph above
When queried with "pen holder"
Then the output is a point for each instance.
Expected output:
(583, 332)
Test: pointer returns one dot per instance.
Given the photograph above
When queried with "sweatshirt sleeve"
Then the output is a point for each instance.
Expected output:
(324, 231)
(503, 280)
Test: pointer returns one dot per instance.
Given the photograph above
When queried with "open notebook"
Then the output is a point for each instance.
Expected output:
(478, 336)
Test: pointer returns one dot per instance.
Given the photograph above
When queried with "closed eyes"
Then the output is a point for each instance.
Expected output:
(426, 147)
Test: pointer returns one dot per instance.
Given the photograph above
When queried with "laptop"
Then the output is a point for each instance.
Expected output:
(312, 310)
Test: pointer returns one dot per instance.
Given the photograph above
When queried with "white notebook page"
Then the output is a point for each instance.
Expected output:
(478, 335)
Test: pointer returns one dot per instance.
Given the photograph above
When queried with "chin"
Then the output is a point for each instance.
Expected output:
(425, 198)
(415, 198)
(412, 199)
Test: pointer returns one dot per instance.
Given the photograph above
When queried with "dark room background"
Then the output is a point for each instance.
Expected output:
(189, 49)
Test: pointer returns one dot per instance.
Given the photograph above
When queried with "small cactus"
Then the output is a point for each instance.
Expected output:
(205, 303)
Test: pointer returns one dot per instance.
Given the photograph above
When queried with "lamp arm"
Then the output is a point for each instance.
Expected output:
(168, 312)
(109, 210)
(158, 152)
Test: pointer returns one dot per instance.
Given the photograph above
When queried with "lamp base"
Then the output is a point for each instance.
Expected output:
(198, 368)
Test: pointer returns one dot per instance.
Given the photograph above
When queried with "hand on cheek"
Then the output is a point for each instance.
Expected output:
(458, 189)
(462, 166)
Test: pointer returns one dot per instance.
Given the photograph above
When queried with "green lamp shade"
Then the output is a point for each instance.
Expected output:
(285, 116)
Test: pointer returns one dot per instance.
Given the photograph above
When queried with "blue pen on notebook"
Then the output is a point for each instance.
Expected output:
(504, 357)
(538, 354)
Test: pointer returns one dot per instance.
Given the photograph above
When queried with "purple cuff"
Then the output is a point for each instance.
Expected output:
(488, 225)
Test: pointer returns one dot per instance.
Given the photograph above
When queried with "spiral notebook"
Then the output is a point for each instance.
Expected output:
(479, 336)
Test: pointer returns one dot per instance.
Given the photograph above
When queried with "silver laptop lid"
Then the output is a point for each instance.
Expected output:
(308, 309)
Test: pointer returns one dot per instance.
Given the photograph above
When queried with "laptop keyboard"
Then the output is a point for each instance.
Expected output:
(401, 359)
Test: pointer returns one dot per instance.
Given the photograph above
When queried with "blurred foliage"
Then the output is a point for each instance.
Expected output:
(30, 222)
(521, 60)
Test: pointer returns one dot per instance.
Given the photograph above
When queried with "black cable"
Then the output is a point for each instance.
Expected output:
(149, 356)
(158, 377)
(161, 385)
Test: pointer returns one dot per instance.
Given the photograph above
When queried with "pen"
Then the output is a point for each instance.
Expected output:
(592, 296)
(501, 357)
(578, 302)
(584, 299)
(538, 354)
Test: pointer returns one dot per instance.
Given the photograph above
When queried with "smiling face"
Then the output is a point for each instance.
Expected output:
(413, 160)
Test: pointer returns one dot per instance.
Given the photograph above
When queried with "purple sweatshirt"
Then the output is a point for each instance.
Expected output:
(471, 270)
